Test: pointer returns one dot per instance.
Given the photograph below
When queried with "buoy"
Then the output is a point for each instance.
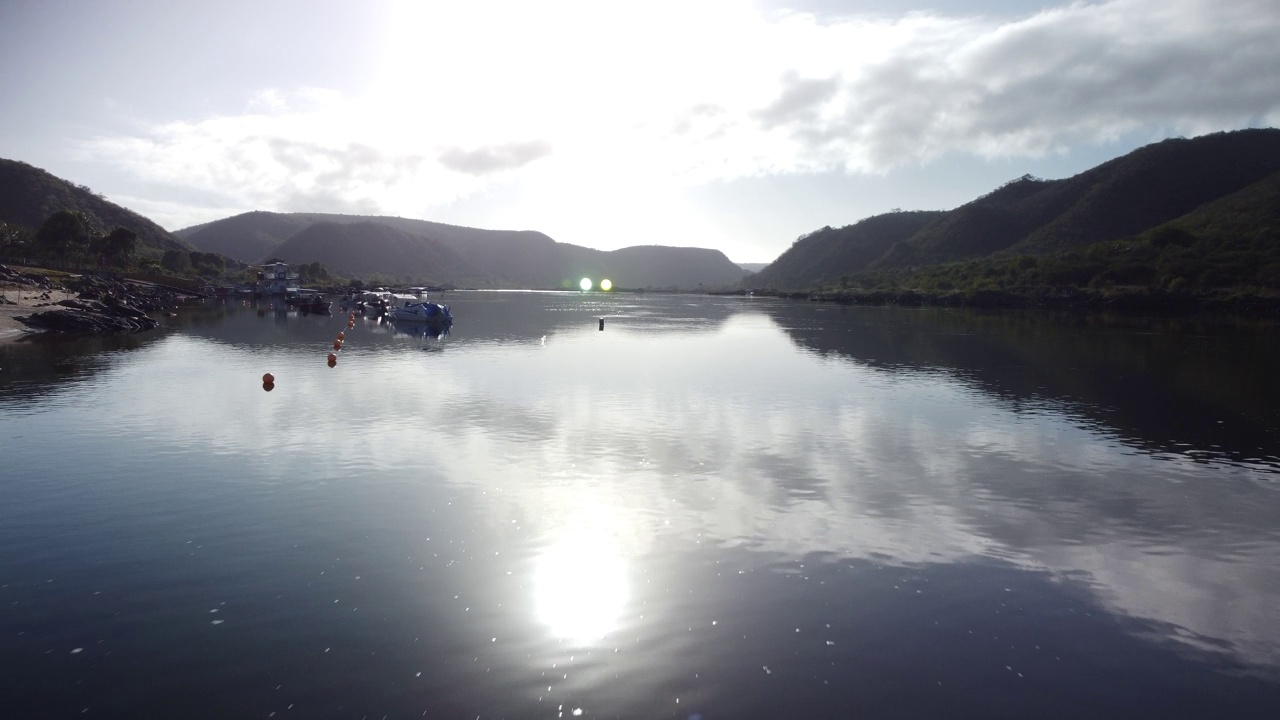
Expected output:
(342, 336)
(337, 344)
(268, 386)
(601, 323)
(333, 359)
(268, 379)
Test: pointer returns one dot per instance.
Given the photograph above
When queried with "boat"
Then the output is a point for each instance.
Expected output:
(314, 305)
(375, 302)
(423, 312)
(308, 302)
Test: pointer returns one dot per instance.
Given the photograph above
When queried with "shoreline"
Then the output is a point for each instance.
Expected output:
(28, 301)
(1136, 301)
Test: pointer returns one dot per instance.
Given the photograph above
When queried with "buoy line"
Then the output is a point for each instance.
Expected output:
(269, 380)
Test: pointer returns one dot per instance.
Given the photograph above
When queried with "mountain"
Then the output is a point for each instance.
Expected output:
(250, 237)
(29, 195)
(753, 267)
(1156, 184)
(654, 266)
(354, 245)
(1125, 197)
(1248, 217)
(380, 247)
(829, 253)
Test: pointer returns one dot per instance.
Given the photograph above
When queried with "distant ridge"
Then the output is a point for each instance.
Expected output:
(421, 250)
(381, 247)
(29, 195)
(1125, 197)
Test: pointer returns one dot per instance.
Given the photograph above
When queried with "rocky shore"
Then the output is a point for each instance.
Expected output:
(80, 304)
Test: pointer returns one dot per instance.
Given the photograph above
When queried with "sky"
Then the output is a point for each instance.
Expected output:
(737, 125)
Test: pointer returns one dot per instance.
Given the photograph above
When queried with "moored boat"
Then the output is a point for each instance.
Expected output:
(308, 301)
(423, 312)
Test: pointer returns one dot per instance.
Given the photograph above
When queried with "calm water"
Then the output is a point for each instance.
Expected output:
(715, 508)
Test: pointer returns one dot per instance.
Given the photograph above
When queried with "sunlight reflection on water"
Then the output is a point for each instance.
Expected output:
(532, 510)
(580, 587)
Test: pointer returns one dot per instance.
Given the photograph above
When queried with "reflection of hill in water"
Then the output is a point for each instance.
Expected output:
(37, 366)
(1196, 388)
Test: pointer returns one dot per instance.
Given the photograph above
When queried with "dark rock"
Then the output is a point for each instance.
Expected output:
(103, 306)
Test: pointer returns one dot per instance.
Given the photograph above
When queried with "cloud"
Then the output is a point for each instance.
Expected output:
(494, 158)
(799, 101)
(1084, 73)
(674, 94)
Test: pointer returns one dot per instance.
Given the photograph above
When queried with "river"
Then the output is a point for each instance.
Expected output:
(713, 507)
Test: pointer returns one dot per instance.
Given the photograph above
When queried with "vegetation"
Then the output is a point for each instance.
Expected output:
(1181, 219)
(29, 196)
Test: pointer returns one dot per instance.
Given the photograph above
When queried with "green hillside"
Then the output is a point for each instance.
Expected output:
(1196, 214)
(1156, 184)
(29, 195)
(826, 255)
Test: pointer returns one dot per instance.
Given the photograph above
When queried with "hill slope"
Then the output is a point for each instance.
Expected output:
(829, 253)
(654, 266)
(250, 237)
(1249, 217)
(29, 195)
(455, 254)
(378, 247)
(1124, 197)
(1156, 184)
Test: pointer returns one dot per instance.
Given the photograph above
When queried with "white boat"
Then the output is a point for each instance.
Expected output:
(423, 312)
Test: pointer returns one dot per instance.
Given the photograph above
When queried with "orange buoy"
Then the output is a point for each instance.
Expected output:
(337, 344)
(268, 386)
(333, 359)
(342, 336)
(268, 379)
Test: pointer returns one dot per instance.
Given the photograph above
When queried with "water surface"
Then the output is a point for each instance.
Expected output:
(715, 508)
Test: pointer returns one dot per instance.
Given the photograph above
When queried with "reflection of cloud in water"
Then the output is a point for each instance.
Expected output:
(733, 437)
(846, 460)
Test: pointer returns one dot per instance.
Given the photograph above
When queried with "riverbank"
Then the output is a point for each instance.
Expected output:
(24, 301)
(51, 302)
(1138, 301)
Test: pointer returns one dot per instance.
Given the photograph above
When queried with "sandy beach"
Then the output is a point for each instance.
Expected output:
(25, 302)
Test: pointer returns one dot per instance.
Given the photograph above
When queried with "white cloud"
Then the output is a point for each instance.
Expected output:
(631, 102)
(494, 158)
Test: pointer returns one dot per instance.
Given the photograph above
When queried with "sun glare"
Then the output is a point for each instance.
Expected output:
(606, 285)
(580, 589)
(585, 284)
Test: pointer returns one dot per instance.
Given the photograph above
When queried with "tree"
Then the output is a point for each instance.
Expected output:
(176, 261)
(208, 264)
(313, 272)
(14, 239)
(120, 245)
(65, 234)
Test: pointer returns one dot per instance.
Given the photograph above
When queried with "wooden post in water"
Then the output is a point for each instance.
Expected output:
(601, 323)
